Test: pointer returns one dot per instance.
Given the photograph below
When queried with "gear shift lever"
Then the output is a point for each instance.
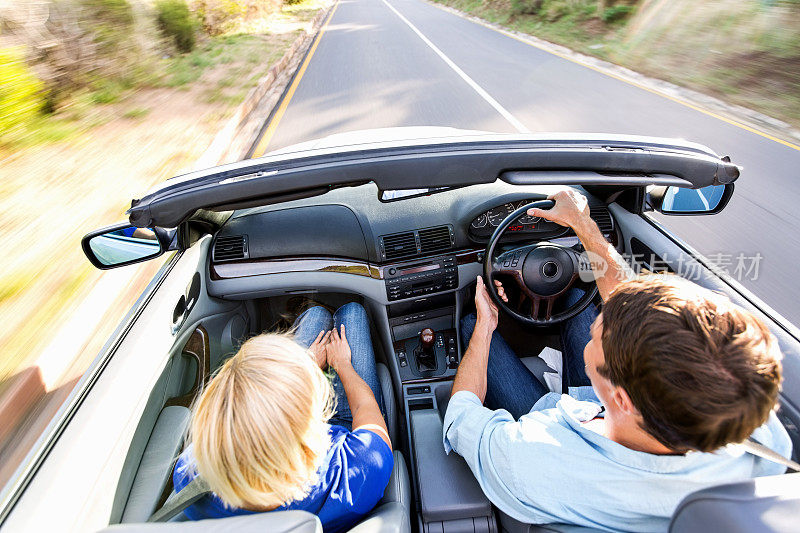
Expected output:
(426, 339)
(426, 355)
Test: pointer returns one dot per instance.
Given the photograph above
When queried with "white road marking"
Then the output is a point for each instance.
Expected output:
(520, 127)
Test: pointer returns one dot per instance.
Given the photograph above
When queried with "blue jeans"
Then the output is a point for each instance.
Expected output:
(510, 385)
(356, 327)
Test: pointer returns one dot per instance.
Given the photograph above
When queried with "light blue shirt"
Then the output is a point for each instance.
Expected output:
(547, 467)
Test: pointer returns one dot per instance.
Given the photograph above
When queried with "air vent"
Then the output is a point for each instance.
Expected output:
(600, 214)
(399, 245)
(435, 239)
(230, 248)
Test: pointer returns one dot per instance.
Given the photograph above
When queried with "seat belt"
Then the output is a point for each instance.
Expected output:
(759, 450)
(176, 503)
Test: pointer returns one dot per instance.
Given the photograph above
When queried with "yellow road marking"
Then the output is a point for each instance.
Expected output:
(276, 118)
(625, 80)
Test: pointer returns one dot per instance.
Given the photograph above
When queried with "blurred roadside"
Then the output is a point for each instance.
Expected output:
(74, 152)
(744, 52)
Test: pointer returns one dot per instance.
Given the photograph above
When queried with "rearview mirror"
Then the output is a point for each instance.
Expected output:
(120, 245)
(708, 200)
(401, 194)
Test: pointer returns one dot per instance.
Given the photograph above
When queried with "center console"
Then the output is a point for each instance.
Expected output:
(424, 338)
(423, 324)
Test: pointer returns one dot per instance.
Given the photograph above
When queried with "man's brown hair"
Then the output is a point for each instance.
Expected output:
(701, 371)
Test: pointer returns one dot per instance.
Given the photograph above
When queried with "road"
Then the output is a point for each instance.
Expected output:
(383, 63)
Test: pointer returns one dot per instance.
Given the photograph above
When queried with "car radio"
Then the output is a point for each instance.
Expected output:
(421, 278)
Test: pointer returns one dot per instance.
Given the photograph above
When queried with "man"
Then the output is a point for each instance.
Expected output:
(663, 383)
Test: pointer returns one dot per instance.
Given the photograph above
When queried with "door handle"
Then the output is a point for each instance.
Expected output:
(198, 349)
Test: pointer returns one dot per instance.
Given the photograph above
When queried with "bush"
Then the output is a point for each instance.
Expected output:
(526, 7)
(221, 16)
(22, 96)
(111, 22)
(218, 15)
(176, 21)
(616, 13)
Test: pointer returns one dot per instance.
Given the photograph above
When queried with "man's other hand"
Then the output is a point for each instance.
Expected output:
(485, 308)
(571, 209)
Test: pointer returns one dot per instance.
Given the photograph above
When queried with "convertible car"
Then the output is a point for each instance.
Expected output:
(402, 221)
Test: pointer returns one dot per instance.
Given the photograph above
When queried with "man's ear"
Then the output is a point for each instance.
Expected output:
(623, 402)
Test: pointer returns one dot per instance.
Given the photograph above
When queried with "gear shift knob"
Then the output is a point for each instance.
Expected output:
(426, 339)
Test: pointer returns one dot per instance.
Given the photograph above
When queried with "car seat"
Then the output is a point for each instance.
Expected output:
(392, 514)
(769, 504)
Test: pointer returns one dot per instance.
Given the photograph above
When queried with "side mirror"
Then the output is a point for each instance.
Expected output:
(673, 200)
(121, 244)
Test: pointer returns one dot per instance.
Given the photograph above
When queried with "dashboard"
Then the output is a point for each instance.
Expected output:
(482, 226)
(349, 241)
(352, 224)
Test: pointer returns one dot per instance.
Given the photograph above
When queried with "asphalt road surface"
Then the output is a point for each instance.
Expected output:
(384, 63)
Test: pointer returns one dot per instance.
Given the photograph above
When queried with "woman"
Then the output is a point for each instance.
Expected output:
(260, 435)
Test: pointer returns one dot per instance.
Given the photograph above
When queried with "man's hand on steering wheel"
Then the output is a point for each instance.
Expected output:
(485, 308)
(571, 209)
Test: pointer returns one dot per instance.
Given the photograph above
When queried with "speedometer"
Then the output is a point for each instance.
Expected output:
(480, 221)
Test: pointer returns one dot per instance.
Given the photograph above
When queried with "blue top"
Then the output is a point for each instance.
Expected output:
(547, 467)
(352, 479)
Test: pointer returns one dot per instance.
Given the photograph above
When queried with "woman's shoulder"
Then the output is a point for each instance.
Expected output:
(360, 451)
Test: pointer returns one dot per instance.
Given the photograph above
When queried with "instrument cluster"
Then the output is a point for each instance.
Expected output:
(484, 224)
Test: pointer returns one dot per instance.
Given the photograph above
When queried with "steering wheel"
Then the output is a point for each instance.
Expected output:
(543, 271)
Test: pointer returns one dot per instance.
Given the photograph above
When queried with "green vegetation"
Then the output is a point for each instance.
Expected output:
(135, 112)
(616, 13)
(107, 91)
(111, 22)
(22, 96)
(526, 7)
(240, 49)
(177, 22)
(188, 68)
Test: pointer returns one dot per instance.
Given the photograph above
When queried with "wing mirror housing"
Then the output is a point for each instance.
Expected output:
(683, 201)
(123, 244)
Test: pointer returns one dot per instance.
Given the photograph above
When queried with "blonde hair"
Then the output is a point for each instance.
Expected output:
(258, 429)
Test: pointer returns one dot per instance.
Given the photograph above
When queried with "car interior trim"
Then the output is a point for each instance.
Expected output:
(198, 348)
(257, 267)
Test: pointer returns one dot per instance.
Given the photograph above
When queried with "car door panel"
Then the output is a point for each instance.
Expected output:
(679, 257)
(177, 386)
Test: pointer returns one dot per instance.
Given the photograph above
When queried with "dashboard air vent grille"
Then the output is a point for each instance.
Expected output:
(601, 215)
(230, 248)
(435, 239)
(399, 245)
